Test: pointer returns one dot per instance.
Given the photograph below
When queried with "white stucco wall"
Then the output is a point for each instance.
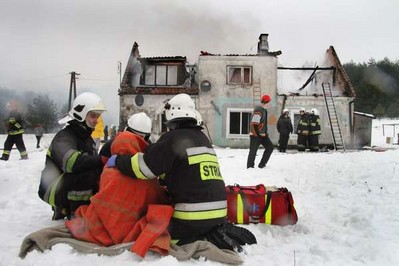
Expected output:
(214, 104)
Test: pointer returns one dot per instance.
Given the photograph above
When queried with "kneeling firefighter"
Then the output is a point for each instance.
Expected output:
(186, 162)
(73, 167)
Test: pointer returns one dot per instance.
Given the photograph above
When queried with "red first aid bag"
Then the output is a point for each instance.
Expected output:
(260, 204)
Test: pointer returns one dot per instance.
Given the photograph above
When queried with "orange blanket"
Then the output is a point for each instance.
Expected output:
(125, 209)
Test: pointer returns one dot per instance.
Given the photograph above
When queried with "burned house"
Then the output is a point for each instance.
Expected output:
(225, 89)
(149, 81)
(328, 89)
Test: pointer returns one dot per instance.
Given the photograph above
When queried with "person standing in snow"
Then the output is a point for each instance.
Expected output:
(303, 130)
(284, 128)
(259, 134)
(73, 167)
(187, 164)
(315, 130)
(105, 133)
(39, 131)
(112, 131)
(15, 130)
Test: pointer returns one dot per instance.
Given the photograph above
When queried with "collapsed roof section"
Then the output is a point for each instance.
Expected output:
(157, 75)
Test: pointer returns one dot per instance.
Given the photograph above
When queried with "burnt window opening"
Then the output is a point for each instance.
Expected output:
(239, 75)
(161, 75)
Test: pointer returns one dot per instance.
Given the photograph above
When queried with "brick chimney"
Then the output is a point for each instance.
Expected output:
(263, 44)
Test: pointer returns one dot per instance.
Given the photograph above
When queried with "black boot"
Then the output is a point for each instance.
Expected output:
(59, 213)
(4, 157)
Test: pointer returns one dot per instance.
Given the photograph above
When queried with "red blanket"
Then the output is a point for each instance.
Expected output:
(125, 209)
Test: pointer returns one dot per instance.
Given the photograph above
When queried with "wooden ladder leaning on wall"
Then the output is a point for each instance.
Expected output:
(338, 141)
(256, 93)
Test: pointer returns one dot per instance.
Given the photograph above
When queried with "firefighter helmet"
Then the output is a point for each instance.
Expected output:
(302, 109)
(315, 111)
(84, 103)
(286, 111)
(140, 123)
(180, 107)
(265, 99)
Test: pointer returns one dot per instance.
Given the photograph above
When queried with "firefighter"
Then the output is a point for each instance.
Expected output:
(259, 135)
(15, 129)
(72, 168)
(284, 128)
(187, 164)
(303, 130)
(315, 130)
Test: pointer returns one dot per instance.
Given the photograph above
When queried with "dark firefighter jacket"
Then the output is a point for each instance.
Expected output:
(303, 125)
(284, 125)
(14, 123)
(187, 163)
(258, 121)
(125, 209)
(71, 151)
(315, 127)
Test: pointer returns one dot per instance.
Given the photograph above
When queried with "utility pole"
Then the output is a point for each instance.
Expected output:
(72, 88)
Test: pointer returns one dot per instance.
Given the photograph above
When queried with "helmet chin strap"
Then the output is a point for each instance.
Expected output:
(90, 126)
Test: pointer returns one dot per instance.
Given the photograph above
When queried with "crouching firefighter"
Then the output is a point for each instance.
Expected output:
(73, 167)
(187, 165)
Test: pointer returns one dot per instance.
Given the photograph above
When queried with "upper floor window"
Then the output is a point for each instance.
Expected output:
(160, 75)
(239, 75)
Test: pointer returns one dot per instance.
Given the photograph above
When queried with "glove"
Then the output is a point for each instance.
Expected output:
(112, 161)
(229, 236)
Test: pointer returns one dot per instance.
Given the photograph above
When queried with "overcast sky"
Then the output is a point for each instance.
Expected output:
(42, 41)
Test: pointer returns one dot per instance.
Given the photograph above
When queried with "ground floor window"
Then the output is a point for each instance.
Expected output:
(237, 122)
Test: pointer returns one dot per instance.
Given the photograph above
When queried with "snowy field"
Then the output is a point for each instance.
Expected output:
(347, 204)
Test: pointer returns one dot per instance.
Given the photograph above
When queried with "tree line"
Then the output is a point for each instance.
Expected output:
(35, 108)
(376, 86)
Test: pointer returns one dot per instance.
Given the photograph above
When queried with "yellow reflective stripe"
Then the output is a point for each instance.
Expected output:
(268, 215)
(51, 198)
(84, 196)
(200, 215)
(16, 132)
(202, 158)
(136, 167)
(240, 210)
(71, 161)
(174, 241)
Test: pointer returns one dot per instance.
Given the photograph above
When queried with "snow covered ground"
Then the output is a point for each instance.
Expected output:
(347, 203)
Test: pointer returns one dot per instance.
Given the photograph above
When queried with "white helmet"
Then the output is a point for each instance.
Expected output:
(200, 122)
(315, 111)
(85, 103)
(302, 109)
(140, 123)
(286, 111)
(179, 107)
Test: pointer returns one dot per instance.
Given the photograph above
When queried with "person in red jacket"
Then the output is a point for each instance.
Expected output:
(124, 208)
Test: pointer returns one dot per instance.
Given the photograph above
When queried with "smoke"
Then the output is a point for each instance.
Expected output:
(381, 80)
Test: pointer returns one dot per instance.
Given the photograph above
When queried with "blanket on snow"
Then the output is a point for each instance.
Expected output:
(45, 238)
